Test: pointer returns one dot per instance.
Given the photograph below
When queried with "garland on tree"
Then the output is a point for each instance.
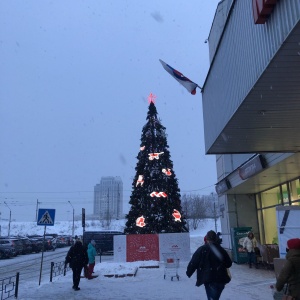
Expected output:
(155, 199)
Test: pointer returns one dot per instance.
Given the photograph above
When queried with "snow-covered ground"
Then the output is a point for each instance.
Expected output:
(149, 283)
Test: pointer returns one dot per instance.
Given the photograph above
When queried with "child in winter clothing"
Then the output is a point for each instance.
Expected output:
(91, 255)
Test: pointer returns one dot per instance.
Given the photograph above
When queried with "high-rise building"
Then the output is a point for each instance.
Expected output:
(108, 198)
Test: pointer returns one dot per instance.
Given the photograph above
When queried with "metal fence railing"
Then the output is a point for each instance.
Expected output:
(9, 287)
(57, 269)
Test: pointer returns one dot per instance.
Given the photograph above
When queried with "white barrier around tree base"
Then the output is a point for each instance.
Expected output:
(151, 246)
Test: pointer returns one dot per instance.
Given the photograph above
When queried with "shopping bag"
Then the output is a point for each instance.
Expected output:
(228, 273)
(277, 295)
(287, 297)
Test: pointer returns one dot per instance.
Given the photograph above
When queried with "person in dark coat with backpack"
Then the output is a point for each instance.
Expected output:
(290, 273)
(211, 262)
(77, 258)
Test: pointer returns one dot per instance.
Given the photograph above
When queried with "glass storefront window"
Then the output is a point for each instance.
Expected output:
(271, 197)
(270, 225)
(295, 192)
(266, 204)
(267, 221)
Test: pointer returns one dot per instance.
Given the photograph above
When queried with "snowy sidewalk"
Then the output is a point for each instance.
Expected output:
(246, 284)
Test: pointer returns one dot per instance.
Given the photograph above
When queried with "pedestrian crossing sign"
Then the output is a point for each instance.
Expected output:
(46, 217)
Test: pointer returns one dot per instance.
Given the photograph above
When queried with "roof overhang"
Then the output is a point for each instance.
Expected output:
(268, 120)
(284, 171)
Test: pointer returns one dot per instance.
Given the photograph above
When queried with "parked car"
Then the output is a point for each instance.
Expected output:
(5, 253)
(6, 249)
(14, 244)
(50, 243)
(27, 246)
(37, 245)
(69, 239)
(18, 244)
(61, 241)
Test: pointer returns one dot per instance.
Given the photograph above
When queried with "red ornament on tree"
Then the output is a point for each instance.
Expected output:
(176, 214)
(140, 221)
(158, 194)
(154, 155)
(140, 180)
(167, 172)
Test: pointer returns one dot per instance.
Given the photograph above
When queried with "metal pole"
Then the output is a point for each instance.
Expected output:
(73, 222)
(51, 271)
(41, 268)
(216, 227)
(37, 208)
(9, 219)
(73, 219)
(17, 285)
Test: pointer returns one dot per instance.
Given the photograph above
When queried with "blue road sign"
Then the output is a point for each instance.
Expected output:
(46, 217)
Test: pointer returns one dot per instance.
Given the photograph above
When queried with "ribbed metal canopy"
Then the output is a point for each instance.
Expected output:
(268, 120)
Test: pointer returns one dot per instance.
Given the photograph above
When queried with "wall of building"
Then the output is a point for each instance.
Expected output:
(244, 51)
(227, 163)
(240, 51)
(218, 26)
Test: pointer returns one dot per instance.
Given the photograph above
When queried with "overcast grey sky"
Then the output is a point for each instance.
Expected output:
(74, 81)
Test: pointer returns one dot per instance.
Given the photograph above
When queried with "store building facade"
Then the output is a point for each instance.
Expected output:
(251, 106)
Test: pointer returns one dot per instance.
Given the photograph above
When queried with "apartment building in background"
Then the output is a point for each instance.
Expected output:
(108, 198)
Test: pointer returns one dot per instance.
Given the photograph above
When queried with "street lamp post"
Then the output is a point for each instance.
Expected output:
(73, 218)
(9, 218)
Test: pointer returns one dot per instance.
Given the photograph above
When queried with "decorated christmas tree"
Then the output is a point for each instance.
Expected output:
(155, 199)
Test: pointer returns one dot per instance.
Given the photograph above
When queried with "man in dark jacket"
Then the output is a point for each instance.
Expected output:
(77, 258)
(211, 262)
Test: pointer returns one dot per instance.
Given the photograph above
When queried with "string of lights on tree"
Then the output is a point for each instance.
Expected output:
(155, 198)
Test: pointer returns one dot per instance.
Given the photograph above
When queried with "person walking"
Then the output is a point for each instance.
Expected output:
(91, 255)
(211, 262)
(250, 244)
(290, 273)
(76, 258)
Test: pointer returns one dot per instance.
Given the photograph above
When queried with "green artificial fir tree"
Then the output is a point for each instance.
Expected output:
(155, 199)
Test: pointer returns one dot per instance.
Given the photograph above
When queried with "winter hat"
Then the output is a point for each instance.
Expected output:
(293, 243)
(93, 242)
(211, 236)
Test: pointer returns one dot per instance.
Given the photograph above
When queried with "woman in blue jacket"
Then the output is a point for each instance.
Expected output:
(91, 254)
